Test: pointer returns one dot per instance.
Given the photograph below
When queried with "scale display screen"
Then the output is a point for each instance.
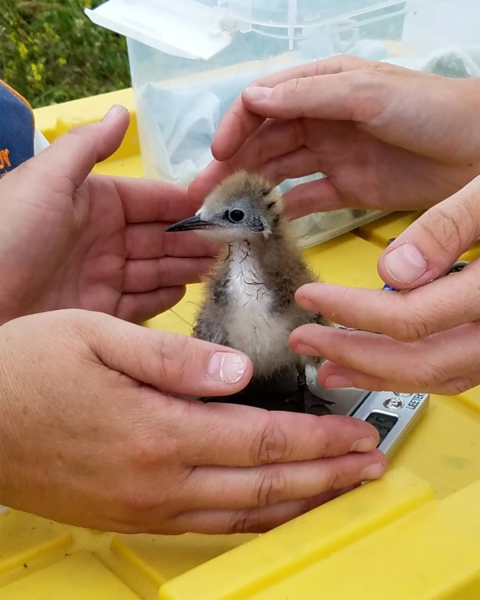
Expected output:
(383, 423)
(393, 414)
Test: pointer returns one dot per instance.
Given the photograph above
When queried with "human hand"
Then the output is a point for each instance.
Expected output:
(93, 432)
(385, 137)
(69, 239)
(430, 337)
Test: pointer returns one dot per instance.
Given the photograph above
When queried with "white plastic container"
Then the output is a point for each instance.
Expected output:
(190, 59)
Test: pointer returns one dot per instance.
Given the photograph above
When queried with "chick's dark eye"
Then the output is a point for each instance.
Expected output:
(236, 216)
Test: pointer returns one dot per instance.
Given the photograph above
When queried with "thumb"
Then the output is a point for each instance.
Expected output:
(78, 151)
(169, 362)
(429, 247)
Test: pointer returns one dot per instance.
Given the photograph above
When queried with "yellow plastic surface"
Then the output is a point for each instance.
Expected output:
(414, 535)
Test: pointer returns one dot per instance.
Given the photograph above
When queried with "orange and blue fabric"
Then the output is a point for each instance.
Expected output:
(17, 129)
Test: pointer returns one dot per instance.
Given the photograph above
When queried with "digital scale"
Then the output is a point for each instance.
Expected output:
(393, 415)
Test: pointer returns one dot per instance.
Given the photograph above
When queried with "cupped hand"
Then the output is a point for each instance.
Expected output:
(94, 432)
(385, 137)
(69, 239)
(426, 340)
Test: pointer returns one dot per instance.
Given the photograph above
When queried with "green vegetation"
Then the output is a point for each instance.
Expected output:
(50, 52)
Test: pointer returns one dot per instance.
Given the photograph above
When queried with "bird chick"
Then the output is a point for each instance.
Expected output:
(249, 303)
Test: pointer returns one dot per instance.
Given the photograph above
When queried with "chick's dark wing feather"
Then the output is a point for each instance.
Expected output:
(209, 329)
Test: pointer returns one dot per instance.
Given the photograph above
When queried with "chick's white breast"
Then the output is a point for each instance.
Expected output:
(252, 328)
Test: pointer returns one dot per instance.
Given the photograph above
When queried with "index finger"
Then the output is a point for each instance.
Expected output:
(242, 436)
(438, 306)
(238, 124)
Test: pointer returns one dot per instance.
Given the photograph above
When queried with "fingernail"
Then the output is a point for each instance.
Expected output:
(366, 444)
(227, 367)
(374, 471)
(405, 264)
(114, 112)
(257, 94)
(306, 350)
(336, 381)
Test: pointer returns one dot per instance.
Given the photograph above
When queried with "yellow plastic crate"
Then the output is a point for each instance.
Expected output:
(415, 534)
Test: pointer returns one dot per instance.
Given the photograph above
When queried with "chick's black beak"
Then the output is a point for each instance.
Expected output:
(191, 224)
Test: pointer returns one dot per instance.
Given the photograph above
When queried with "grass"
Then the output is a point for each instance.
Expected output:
(50, 52)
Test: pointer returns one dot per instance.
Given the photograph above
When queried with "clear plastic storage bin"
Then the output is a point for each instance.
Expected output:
(190, 59)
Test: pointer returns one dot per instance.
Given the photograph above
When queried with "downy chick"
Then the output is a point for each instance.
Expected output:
(249, 303)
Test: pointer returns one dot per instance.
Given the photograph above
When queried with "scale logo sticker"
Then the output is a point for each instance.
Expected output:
(415, 401)
(395, 403)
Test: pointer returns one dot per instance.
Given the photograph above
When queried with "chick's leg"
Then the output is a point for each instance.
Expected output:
(304, 398)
